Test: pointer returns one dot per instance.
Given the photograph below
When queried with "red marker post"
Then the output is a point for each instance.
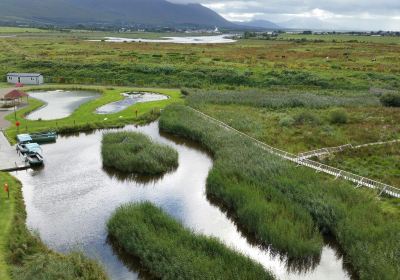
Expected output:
(17, 124)
(7, 190)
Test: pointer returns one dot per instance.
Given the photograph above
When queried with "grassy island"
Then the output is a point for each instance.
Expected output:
(169, 251)
(136, 153)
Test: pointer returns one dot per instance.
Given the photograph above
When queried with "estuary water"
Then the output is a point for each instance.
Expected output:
(69, 201)
(219, 39)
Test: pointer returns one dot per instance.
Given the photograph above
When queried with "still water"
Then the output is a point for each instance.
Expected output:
(69, 201)
(59, 104)
(130, 99)
(219, 39)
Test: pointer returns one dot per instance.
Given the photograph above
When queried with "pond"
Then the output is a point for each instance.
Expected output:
(59, 103)
(69, 201)
(220, 39)
(130, 99)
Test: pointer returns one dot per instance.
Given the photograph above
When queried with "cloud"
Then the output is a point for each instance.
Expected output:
(357, 14)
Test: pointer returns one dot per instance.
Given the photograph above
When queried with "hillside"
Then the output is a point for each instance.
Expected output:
(114, 12)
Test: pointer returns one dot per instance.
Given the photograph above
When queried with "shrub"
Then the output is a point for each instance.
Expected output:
(286, 121)
(135, 153)
(169, 251)
(306, 118)
(338, 117)
(390, 100)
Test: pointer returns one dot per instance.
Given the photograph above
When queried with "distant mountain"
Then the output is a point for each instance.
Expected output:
(307, 23)
(114, 12)
(264, 24)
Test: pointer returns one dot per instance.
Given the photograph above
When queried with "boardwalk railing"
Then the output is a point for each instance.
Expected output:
(330, 150)
(319, 167)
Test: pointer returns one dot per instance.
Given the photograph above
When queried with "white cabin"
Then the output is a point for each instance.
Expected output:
(25, 78)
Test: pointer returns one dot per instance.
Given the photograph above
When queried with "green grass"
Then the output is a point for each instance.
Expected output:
(340, 38)
(6, 29)
(300, 121)
(24, 257)
(381, 163)
(85, 118)
(136, 153)
(169, 251)
(288, 206)
(7, 210)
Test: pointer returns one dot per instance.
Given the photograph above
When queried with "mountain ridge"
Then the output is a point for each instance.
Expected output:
(113, 12)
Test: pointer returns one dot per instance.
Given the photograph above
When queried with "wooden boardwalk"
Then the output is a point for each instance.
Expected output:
(360, 181)
(9, 158)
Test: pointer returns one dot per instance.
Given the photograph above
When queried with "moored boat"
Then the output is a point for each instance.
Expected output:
(33, 156)
(22, 141)
(44, 137)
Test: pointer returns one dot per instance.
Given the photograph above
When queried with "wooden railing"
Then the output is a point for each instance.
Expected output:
(319, 167)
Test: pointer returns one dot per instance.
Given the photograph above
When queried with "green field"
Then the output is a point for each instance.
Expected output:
(67, 57)
(17, 30)
(342, 38)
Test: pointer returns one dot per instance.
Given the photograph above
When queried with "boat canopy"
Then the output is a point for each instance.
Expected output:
(23, 138)
(33, 148)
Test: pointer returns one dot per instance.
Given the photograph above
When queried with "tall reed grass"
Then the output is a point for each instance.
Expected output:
(136, 153)
(169, 251)
(288, 206)
(273, 100)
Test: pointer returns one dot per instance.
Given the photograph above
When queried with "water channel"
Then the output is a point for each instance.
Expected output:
(69, 201)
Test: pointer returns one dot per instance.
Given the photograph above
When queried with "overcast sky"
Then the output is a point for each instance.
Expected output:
(353, 14)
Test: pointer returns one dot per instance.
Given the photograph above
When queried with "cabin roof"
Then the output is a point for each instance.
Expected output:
(24, 74)
(15, 94)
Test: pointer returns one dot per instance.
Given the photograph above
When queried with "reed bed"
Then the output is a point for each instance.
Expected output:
(290, 207)
(170, 251)
(279, 100)
(136, 153)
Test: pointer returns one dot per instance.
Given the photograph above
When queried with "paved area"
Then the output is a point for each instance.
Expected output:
(9, 158)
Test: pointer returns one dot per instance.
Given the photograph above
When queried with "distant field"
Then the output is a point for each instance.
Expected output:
(344, 38)
(6, 29)
(67, 57)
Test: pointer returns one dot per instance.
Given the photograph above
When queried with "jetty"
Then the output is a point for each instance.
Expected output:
(10, 160)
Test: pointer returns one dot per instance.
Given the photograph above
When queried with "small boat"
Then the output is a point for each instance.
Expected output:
(44, 137)
(33, 156)
(22, 140)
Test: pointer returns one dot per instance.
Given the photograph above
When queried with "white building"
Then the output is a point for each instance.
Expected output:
(25, 78)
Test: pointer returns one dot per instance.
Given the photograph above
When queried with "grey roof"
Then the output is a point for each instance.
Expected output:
(24, 74)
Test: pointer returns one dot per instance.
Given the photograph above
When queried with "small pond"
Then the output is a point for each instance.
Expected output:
(59, 103)
(130, 99)
(69, 201)
(219, 39)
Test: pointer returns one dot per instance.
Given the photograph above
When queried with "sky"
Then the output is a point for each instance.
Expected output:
(345, 14)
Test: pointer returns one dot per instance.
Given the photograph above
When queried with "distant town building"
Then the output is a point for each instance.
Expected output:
(25, 78)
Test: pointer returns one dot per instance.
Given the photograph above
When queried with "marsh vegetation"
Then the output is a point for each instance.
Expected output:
(170, 251)
(136, 153)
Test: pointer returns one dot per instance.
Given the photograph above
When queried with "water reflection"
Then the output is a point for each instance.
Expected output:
(70, 200)
(130, 99)
(59, 104)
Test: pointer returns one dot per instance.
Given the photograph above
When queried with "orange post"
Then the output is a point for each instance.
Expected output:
(7, 190)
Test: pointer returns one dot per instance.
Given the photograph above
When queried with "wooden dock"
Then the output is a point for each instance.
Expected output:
(9, 158)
